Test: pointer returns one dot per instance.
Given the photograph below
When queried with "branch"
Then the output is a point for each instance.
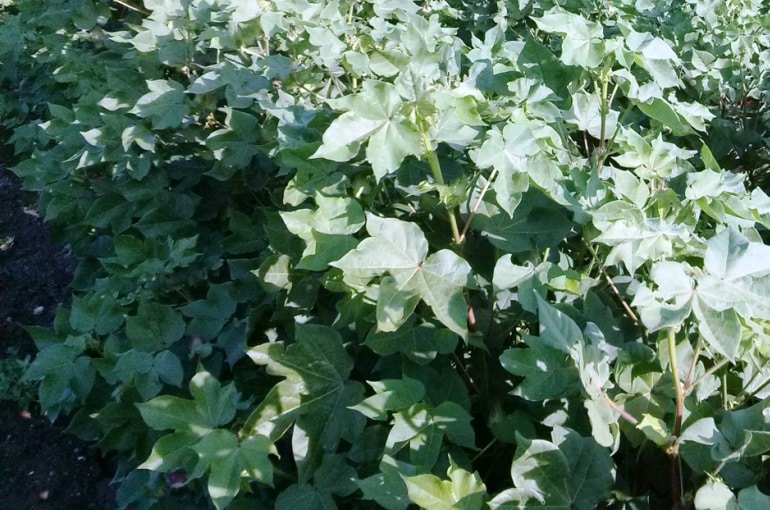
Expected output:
(623, 302)
(131, 7)
(476, 205)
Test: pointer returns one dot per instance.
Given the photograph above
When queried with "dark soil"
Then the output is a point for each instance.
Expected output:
(41, 468)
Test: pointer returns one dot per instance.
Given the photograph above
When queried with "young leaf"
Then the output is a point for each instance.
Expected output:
(463, 490)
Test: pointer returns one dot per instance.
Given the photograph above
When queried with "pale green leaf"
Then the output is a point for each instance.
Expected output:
(508, 275)
(722, 330)
(395, 304)
(655, 430)
(586, 114)
(583, 45)
(399, 249)
(715, 495)
(275, 272)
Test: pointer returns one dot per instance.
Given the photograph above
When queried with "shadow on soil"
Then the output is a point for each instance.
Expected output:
(41, 468)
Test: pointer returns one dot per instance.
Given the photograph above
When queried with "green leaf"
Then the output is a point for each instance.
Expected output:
(314, 395)
(154, 326)
(387, 489)
(169, 412)
(557, 329)
(219, 303)
(218, 453)
(304, 496)
(164, 104)
(399, 248)
(568, 472)
(335, 476)
(373, 116)
(423, 428)
(215, 402)
(212, 405)
(170, 451)
(751, 498)
(661, 110)
(421, 344)
(390, 395)
(746, 431)
(709, 162)
(255, 460)
(537, 223)
(548, 372)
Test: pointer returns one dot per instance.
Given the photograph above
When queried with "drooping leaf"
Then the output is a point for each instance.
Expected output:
(421, 344)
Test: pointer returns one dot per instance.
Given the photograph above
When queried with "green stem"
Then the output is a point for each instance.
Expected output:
(435, 168)
(677, 384)
(604, 110)
(673, 450)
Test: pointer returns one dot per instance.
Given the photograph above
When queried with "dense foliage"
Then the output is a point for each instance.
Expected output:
(362, 254)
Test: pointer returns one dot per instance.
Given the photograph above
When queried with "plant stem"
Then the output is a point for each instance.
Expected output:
(131, 7)
(673, 450)
(604, 110)
(608, 279)
(435, 168)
